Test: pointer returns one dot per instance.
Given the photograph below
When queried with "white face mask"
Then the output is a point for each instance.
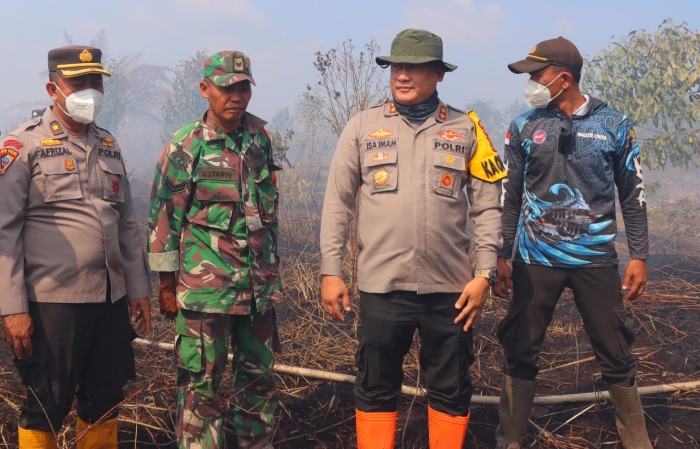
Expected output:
(537, 95)
(83, 106)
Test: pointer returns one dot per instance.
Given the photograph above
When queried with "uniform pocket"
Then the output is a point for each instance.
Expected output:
(61, 179)
(625, 332)
(382, 169)
(448, 169)
(213, 204)
(113, 179)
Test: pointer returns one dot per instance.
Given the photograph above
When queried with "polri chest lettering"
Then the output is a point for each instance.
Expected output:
(106, 152)
(450, 146)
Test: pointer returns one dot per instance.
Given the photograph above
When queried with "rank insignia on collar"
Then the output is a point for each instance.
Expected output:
(51, 142)
(381, 177)
(450, 135)
(13, 143)
(381, 133)
(7, 157)
(446, 180)
(56, 128)
(69, 164)
(443, 113)
(392, 108)
(115, 186)
(380, 156)
(449, 159)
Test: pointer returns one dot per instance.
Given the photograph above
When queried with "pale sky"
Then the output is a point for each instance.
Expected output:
(481, 37)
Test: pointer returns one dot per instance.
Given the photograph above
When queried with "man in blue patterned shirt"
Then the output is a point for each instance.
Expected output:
(564, 159)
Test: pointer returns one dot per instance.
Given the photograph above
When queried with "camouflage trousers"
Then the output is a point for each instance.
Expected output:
(201, 351)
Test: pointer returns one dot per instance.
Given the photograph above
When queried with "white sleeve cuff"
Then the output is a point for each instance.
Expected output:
(169, 261)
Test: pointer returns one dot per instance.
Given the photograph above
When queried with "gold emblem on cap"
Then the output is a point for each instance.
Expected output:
(86, 56)
(238, 64)
(534, 49)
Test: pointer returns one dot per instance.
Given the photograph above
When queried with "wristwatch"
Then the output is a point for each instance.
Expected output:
(490, 274)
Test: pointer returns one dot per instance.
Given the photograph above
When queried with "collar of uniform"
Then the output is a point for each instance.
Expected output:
(49, 121)
(440, 113)
(211, 130)
(390, 109)
(250, 123)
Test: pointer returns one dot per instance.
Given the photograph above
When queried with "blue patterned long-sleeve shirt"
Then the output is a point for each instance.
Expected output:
(559, 208)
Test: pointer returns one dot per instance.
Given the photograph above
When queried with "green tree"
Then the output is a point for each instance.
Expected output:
(654, 78)
(183, 103)
(135, 88)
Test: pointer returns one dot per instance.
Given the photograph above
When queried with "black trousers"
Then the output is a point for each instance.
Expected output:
(598, 297)
(75, 346)
(389, 322)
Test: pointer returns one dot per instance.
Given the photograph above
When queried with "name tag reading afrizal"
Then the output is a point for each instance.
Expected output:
(217, 174)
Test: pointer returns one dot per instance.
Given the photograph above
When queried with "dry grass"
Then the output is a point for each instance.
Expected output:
(320, 414)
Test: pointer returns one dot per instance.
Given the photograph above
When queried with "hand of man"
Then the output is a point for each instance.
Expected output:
(167, 298)
(636, 275)
(474, 296)
(17, 331)
(333, 291)
(503, 287)
(140, 313)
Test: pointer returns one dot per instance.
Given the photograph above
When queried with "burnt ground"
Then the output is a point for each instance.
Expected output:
(320, 413)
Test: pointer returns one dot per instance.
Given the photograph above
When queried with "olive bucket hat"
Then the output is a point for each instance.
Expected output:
(415, 47)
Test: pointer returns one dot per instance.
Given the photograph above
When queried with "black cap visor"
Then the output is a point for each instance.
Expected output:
(527, 66)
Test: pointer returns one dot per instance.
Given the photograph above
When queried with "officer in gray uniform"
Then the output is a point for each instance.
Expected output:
(72, 267)
(419, 167)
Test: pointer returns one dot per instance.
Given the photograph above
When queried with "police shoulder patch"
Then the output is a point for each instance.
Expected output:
(485, 163)
(7, 157)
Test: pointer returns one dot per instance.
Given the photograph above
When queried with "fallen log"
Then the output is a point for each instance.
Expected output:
(483, 400)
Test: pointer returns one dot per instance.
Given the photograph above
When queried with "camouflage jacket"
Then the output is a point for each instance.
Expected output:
(213, 217)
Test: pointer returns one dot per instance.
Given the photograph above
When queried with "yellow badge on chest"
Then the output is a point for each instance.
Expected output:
(446, 180)
(69, 164)
(51, 142)
(379, 156)
(381, 177)
(380, 133)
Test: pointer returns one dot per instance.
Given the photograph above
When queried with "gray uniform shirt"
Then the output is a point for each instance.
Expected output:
(412, 200)
(66, 219)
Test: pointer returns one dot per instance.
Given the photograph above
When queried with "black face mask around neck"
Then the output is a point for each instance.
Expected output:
(420, 111)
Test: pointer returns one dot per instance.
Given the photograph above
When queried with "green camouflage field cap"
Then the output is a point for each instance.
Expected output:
(228, 67)
(415, 47)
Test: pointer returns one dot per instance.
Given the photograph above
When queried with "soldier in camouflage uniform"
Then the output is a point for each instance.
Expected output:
(213, 220)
